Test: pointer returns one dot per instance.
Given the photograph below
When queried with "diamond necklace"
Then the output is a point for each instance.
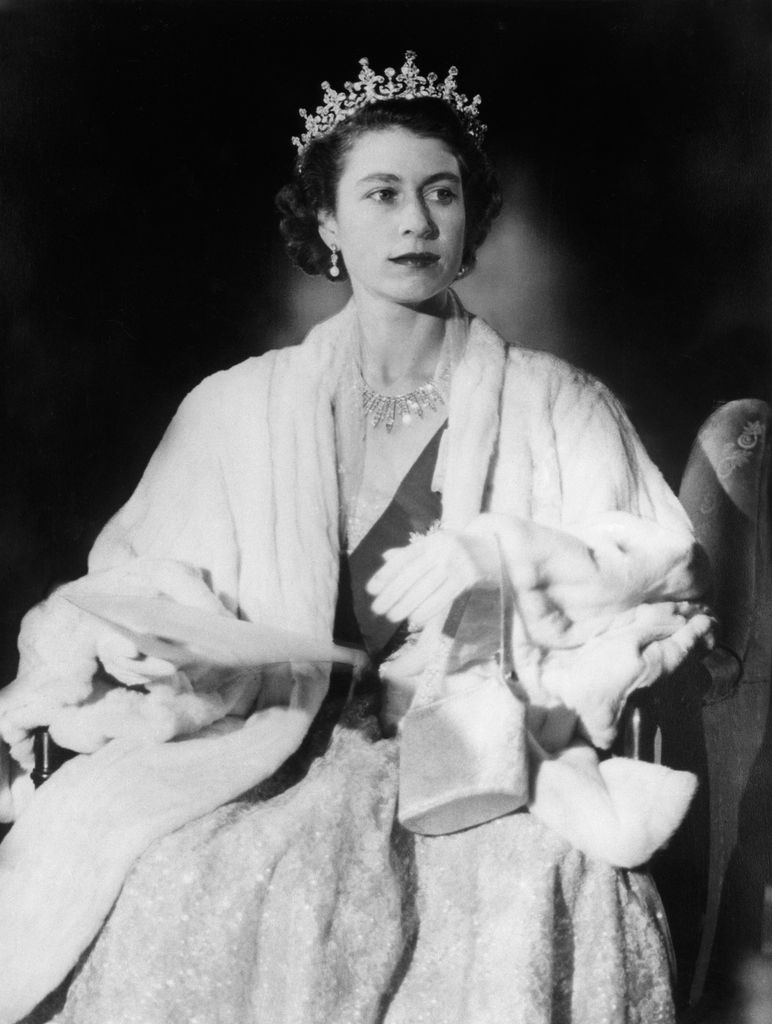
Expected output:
(379, 408)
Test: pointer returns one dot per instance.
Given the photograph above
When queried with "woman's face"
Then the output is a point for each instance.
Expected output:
(399, 219)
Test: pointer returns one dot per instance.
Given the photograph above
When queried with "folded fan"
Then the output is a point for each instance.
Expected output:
(183, 635)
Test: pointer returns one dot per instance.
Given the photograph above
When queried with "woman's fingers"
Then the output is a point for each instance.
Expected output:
(395, 560)
(393, 588)
(411, 575)
(682, 621)
(544, 622)
(123, 660)
(139, 672)
(152, 668)
(401, 599)
(666, 654)
(438, 602)
(111, 646)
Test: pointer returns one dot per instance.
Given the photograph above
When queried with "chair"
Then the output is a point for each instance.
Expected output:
(713, 718)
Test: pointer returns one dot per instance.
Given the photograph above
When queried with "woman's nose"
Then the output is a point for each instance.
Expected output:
(416, 219)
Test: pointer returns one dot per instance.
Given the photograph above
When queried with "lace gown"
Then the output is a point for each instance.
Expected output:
(305, 902)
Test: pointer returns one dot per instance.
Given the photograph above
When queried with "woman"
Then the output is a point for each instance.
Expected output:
(394, 478)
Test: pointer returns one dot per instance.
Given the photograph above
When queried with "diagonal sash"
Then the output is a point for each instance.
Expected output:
(414, 508)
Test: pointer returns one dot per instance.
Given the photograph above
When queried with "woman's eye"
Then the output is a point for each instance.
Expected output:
(382, 195)
(443, 195)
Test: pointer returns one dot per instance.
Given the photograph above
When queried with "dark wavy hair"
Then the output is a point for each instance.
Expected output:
(314, 183)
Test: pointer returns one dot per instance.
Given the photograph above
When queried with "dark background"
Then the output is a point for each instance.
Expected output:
(141, 145)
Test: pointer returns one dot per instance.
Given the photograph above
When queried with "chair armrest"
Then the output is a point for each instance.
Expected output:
(702, 679)
(724, 671)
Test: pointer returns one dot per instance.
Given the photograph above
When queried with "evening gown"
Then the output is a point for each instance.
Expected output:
(305, 901)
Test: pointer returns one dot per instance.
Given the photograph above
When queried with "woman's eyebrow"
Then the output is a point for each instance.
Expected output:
(443, 176)
(378, 176)
(384, 176)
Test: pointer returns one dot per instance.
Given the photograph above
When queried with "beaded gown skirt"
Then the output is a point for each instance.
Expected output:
(304, 902)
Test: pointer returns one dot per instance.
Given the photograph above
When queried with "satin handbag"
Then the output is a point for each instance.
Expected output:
(463, 747)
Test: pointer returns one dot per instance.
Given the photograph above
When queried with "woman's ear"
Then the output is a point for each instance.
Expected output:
(328, 228)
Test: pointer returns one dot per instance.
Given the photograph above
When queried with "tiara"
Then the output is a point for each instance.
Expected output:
(407, 84)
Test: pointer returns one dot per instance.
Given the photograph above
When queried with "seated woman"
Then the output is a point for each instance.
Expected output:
(460, 506)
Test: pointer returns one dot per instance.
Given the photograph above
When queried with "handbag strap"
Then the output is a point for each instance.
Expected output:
(506, 612)
(506, 605)
(431, 686)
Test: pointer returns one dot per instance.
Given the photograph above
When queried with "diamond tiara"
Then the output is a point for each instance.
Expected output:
(407, 84)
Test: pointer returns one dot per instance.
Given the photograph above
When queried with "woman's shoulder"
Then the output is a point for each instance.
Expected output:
(229, 396)
(553, 370)
(536, 372)
(313, 350)
(541, 387)
(227, 388)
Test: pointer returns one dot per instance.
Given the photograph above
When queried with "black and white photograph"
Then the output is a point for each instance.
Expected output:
(385, 549)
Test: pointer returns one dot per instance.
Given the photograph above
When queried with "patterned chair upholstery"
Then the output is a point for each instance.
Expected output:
(714, 720)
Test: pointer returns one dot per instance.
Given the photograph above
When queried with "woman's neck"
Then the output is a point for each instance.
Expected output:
(400, 345)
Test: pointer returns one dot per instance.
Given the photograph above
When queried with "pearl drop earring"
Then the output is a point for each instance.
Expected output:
(334, 270)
